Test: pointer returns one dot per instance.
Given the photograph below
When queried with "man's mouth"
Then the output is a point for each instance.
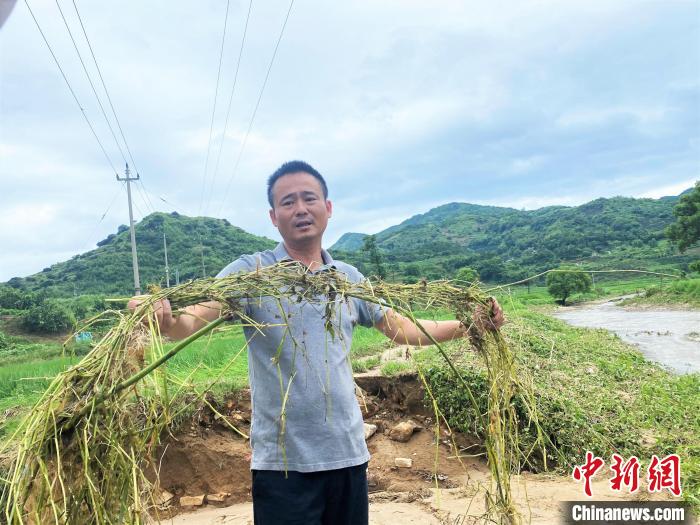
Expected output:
(303, 224)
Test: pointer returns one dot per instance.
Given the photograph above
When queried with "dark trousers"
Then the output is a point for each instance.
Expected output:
(329, 497)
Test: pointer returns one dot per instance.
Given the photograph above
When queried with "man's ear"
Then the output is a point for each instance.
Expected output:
(329, 208)
(273, 217)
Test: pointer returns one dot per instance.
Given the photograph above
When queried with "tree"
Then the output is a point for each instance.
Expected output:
(370, 246)
(49, 317)
(565, 282)
(467, 274)
(411, 270)
(686, 230)
(491, 267)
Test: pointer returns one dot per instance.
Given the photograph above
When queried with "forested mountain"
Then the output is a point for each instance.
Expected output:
(502, 244)
(506, 243)
(196, 246)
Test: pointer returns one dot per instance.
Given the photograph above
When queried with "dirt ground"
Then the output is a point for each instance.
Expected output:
(208, 458)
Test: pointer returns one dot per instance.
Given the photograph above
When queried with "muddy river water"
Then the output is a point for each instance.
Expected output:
(669, 337)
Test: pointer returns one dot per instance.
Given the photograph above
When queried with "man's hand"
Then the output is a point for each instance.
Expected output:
(496, 317)
(162, 311)
(188, 320)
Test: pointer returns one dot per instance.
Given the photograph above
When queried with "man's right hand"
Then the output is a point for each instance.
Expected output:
(188, 320)
(162, 310)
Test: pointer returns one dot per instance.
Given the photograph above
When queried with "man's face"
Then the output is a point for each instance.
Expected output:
(300, 212)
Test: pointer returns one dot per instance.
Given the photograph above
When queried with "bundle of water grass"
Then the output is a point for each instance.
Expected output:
(81, 454)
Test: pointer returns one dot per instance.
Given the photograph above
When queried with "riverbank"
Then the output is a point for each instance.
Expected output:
(682, 294)
(666, 334)
(595, 393)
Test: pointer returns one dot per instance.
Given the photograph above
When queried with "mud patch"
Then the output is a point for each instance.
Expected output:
(207, 457)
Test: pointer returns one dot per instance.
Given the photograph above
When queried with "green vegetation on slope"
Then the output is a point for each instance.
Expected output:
(685, 232)
(683, 292)
(594, 392)
(196, 246)
(504, 244)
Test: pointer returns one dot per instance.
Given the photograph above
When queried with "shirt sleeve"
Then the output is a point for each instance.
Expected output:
(368, 313)
(239, 265)
(242, 264)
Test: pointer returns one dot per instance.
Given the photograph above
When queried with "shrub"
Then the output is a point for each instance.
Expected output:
(49, 317)
(467, 274)
(15, 299)
(564, 283)
(87, 305)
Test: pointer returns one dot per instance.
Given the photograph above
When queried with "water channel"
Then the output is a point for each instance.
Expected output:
(669, 337)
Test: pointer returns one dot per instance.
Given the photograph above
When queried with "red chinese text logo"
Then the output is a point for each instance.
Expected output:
(661, 474)
(624, 473)
(665, 474)
(587, 471)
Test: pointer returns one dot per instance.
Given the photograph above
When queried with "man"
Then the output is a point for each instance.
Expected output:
(309, 460)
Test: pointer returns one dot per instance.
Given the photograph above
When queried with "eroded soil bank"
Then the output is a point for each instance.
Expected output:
(209, 460)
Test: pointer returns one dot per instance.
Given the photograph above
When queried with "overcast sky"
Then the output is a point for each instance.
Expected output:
(402, 105)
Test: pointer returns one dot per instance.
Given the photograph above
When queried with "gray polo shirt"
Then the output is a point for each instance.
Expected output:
(323, 427)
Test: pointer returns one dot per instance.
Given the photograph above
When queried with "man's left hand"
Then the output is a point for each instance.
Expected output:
(496, 318)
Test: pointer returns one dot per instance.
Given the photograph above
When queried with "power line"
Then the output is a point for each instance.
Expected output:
(228, 110)
(144, 196)
(104, 86)
(82, 63)
(109, 207)
(147, 199)
(213, 111)
(82, 110)
(257, 105)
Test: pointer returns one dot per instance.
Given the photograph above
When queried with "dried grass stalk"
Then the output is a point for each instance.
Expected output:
(81, 453)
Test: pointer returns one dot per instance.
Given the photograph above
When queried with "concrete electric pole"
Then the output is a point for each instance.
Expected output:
(167, 268)
(134, 258)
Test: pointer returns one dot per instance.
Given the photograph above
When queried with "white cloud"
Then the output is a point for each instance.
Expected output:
(402, 106)
(601, 116)
(670, 189)
(527, 164)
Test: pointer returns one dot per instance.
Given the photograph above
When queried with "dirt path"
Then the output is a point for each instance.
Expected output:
(538, 497)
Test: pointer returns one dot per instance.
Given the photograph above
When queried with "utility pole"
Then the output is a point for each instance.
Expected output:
(167, 268)
(201, 253)
(177, 276)
(134, 258)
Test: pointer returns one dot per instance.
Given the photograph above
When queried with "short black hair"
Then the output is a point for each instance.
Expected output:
(294, 166)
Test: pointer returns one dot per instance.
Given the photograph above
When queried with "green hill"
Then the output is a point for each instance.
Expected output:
(505, 243)
(502, 244)
(196, 246)
(350, 242)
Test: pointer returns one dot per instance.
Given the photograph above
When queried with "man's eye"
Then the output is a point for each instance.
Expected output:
(287, 203)
(310, 199)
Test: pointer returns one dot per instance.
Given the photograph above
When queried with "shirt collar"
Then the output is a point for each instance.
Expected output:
(281, 254)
